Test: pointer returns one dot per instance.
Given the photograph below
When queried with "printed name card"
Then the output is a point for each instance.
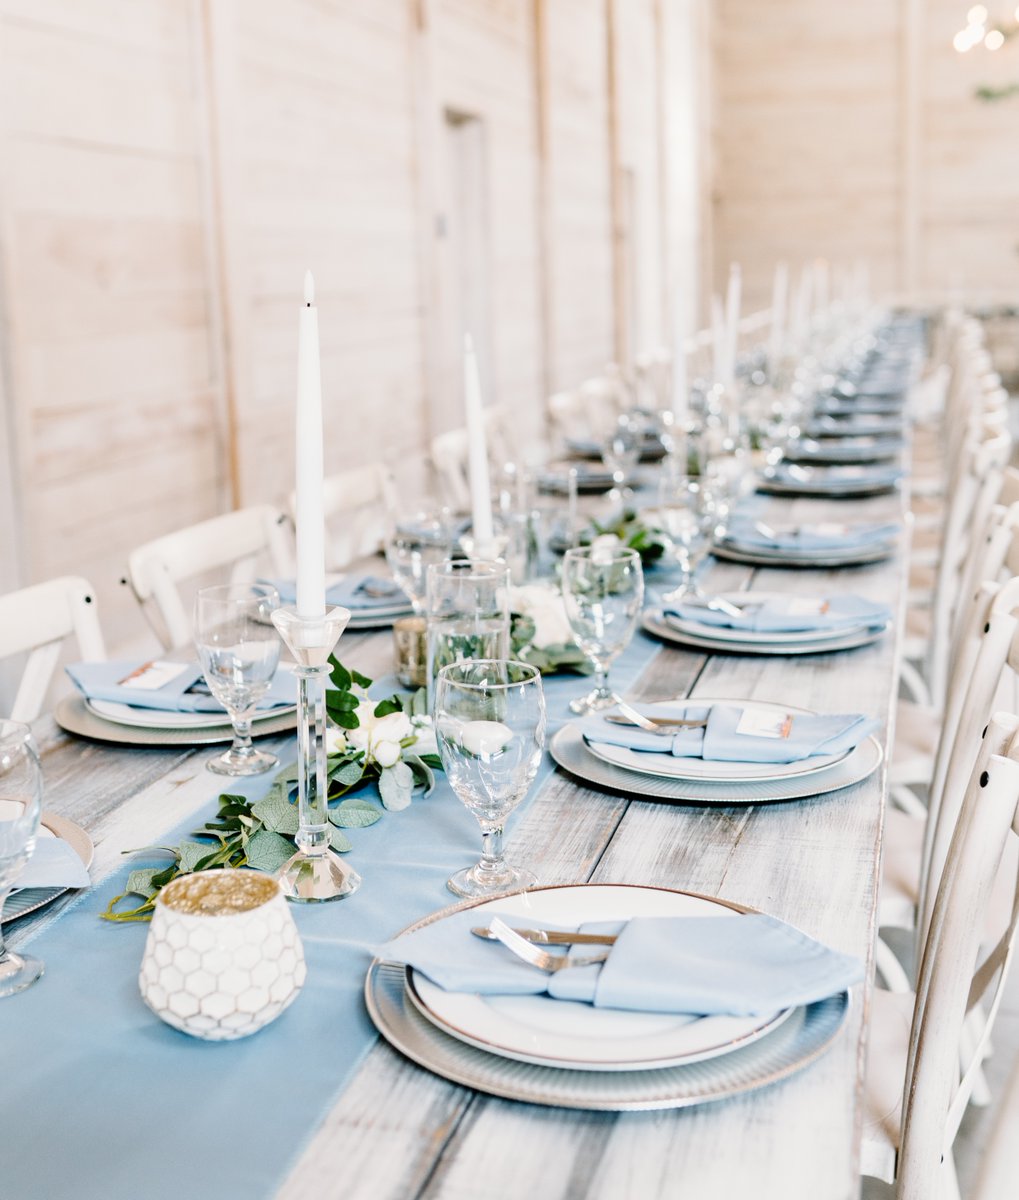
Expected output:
(806, 606)
(151, 676)
(757, 723)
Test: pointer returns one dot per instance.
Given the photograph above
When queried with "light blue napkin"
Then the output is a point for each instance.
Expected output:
(356, 592)
(730, 736)
(831, 536)
(53, 864)
(834, 478)
(741, 965)
(789, 614)
(186, 692)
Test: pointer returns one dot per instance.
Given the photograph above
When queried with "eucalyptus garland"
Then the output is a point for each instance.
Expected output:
(368, 748)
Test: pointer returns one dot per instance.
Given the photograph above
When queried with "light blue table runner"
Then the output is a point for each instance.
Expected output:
(100, 1100)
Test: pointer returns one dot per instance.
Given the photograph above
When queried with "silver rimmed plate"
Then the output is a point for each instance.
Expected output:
(156, 718)
(665, 766)
(73, 715)
(655, 622)
(788, 1048)
(836, 483)
(858, 449)
(725, 633)
(25, 900)
(757, 556)
(558, 1033)
(570, 752)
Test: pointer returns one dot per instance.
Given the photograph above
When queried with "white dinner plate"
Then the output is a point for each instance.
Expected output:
(563, 1033)
(757, 556)
(856, 449)
(655, 622)
(724, 633)
(668, 767)
(158, 718)
(25, 900)
(569, 751)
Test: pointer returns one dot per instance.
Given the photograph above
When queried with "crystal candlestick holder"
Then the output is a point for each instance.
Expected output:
(315, 873)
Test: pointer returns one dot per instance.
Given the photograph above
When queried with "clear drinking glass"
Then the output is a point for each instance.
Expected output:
(20, 809)
(490, 727)
(689, 512)
(419, 539)
(604, 590)
(468, 613)
(239, 650)
(622, 440)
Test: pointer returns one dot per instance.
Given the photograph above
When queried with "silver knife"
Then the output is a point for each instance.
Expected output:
(549, 937)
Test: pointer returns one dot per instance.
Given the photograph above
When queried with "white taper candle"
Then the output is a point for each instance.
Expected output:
(309, 515)
(477, 453)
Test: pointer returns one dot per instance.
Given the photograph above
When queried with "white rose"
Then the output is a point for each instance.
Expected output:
(545, 607)
(379, 737)
(336, 742)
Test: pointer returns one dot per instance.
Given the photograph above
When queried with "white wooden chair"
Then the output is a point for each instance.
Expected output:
(999, 1171)
(242, 541)
(916, 1093)
(449, 453)
(358, 505)
(38, 620)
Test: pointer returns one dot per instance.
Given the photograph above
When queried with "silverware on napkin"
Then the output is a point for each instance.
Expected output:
(539, 958)
(550, 937)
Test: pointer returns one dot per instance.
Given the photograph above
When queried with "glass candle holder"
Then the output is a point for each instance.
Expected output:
(410, 651)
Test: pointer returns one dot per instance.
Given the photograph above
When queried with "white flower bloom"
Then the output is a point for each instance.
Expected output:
(544, 606)
(425, 734)
(379, 737)
(336, 742)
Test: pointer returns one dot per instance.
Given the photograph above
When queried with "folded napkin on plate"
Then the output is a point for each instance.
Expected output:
(356, 592)
(184, 689)
(53, 864)
(734, 734)
(835, 477)
(739, 965)
(788, 614)
(824, 536)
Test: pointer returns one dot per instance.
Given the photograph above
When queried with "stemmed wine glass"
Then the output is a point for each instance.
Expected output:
(20, 809)
(620, 451)
(690, 513)
(416, 542)
(490, 727)
(239, 650)
(603, 589)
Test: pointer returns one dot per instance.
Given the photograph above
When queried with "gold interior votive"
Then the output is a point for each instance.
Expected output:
(218, 893)
(410, 647)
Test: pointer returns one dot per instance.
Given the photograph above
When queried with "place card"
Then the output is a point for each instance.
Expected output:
(151, 676)
(757, 723)
(805, 606)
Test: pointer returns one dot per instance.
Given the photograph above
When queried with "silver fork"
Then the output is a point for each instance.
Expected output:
(667, 730)
(536, 957)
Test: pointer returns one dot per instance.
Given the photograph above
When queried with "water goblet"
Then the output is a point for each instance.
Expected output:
(689, 512)
(239, 650)
(620, 451)
(20, 809)
(468, 613)
(603, 588)
(490, 728)
(418, 540)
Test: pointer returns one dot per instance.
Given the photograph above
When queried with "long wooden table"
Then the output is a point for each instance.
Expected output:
(398, 1131)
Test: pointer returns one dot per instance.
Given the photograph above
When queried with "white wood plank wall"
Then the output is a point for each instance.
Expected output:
(853, 129)
(170, 167)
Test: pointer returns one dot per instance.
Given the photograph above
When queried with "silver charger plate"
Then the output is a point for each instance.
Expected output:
(756, 557)
(827, 490)
(654, 622)
(73, 715)
(792, 1046)
(569, 751)
(25, 900)
(382, 619)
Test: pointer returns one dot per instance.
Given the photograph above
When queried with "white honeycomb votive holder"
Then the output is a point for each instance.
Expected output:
(223, 956)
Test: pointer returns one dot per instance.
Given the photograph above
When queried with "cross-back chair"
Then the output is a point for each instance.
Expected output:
(38, 620)
(239, 540)
(359, 505)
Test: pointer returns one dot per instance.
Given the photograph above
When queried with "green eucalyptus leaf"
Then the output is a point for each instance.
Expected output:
(392, 704)
(191, 854)
(277, 814)
(345, 720)
(418, 704)
(396, 786)
(362, 681)
(355, 814)
(268, 851)
(348, 773)
(339, 841)
(423, 773)
(139, 883)
(340, 675)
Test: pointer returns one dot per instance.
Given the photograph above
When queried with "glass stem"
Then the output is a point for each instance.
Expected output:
(242, 736)
(312, 783)
(601, 677)
(491, 849)
(4, 953)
